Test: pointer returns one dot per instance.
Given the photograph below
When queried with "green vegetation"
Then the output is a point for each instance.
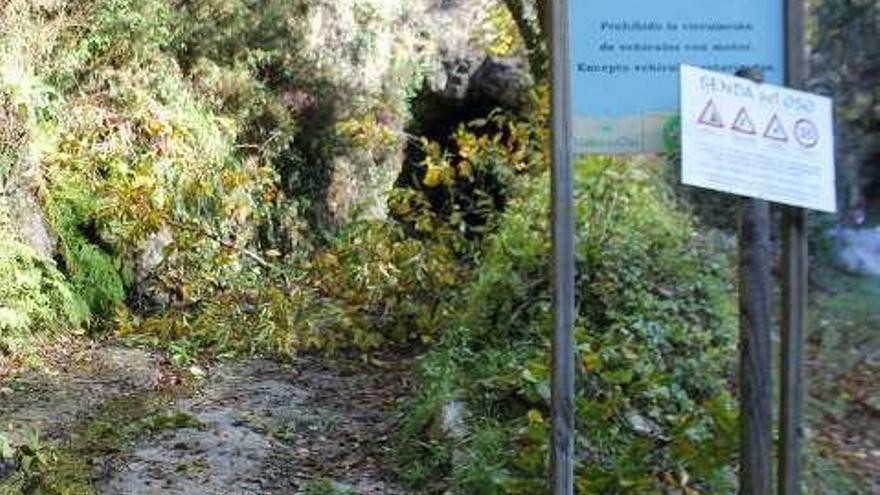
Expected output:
(843, 375)
(172, 165)
(373, 282)
(191, 164)
(131, 151)
(34, 297)
(655, 347)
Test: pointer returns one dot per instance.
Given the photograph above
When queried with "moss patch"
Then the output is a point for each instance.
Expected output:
(67, 467)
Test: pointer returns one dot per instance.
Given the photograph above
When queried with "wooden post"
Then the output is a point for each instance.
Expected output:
(756, 434)
(794, 295)
(562, 403)
(794, 290)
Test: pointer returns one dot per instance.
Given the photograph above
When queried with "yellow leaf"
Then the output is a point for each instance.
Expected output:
(433, 176)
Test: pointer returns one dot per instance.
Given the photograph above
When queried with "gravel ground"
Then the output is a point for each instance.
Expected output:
(249, 427)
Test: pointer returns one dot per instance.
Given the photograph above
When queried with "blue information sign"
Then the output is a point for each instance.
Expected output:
(626, 56)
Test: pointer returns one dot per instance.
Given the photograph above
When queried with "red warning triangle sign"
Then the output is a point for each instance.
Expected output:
(775, 130)
(711, 116)
(743, 123)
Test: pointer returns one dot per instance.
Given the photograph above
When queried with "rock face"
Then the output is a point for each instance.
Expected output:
(31, 224)
(25, 219)
(462, 70)
(506, 81)
(365, 51)
(448, 29)
(21, 214)
(378, 53)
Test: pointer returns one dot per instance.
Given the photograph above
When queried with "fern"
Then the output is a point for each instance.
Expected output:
(95, 273)
(34, 297)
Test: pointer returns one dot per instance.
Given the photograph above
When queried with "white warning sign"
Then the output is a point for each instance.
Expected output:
(757, 140)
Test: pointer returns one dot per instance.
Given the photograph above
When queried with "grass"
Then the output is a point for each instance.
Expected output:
(844, 335)
(843, 368)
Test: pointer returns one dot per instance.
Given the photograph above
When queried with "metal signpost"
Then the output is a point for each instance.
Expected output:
(615, 70)
(562, 407)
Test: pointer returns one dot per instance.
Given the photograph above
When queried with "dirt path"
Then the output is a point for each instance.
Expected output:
(250, 427)
(74, 380)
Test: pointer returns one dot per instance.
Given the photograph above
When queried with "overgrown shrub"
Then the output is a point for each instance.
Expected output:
(123, 148)
(655, 348)
(371, 285)
(148, 145)
(392, 287)
(137, 160)
(35, 297)
(459, 186)
(373, 282)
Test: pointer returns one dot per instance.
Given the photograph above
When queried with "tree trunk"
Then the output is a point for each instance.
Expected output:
(533, 33)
